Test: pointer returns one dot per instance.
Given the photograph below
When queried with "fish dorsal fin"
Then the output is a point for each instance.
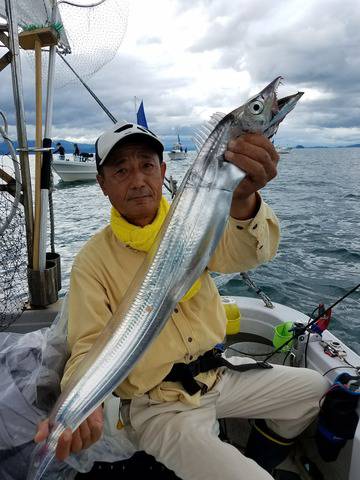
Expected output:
(201, 134)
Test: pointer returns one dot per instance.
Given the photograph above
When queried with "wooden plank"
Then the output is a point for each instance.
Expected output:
(4, 39)
(38, 156)
(6, 177)
(5, 60)
(45, 37)
(10, 186)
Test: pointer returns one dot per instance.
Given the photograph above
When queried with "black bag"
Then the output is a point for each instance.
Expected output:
(338, 418)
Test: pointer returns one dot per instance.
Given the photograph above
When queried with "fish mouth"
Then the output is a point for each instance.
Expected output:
(280, 106)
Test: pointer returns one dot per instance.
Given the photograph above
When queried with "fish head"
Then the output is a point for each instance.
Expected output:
(263, 112)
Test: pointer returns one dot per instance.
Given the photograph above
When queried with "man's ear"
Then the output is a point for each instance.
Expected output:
(101, 181)
(163, 169)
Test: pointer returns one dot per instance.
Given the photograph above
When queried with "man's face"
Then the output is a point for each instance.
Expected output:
(132, 178)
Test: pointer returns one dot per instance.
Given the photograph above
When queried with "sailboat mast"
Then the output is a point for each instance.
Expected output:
(135, 108)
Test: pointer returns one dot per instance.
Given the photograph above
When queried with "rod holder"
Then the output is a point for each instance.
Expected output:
(43, 286)
(55, 257)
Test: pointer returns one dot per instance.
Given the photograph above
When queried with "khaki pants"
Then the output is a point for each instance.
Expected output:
(185, 439)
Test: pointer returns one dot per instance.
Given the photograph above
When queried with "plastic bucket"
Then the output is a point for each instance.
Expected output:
(233, 316)
(282, 334)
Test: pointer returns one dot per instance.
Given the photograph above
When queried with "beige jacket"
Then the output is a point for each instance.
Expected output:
(101, 274)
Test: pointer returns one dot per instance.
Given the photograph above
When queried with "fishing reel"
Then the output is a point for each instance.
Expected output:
(301, 340)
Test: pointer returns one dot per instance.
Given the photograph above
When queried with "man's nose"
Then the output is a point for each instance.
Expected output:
(137, 178)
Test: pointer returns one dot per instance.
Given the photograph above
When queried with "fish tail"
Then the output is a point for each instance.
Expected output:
(41, 458)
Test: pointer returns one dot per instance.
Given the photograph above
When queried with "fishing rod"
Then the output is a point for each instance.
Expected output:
(97, 100)
(169, 183)
(303, 329)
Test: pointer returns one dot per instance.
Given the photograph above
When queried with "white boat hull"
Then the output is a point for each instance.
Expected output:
(177, 155)
(74, 171)
(283, 150)
(257, 319)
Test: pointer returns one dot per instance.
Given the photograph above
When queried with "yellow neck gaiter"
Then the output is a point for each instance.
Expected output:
(142, 238)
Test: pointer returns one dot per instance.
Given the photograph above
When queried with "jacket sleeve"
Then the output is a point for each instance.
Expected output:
(246, 244)
(89, 312)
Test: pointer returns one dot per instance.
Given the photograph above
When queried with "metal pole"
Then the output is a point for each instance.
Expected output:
(48, 126)
(50, 93)
(38, 159)
(21, 126)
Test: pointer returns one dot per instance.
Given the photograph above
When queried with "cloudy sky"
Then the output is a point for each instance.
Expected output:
(188, 59)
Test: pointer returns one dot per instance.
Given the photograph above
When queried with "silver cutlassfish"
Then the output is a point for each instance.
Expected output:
(180, 253)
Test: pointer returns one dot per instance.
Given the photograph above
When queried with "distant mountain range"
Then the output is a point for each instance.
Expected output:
(90, 148)
(355, 145)
(69, 146)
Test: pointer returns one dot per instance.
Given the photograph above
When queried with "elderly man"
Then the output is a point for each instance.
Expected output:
(169, 421)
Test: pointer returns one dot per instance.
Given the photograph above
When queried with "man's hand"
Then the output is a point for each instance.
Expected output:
(88, 433)
(257, 157)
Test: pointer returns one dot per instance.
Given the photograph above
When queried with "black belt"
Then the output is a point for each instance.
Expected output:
(185, 373)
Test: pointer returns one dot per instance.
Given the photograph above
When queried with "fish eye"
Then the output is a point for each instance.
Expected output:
(256, 107)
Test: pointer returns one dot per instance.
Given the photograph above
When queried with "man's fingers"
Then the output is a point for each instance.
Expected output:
(258, 162)
(85, 435)
(245, 143)
(42, 432)
(254, 170)
(77, 443)
(96, 423)
(88, 433)
(64, 445)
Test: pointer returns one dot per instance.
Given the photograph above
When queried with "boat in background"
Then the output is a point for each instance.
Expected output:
(283, 150)
(140, 115)
(178, 152)
(76, 169)
(169, 183)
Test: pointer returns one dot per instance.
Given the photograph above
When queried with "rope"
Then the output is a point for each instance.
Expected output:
(51, 211)
(258, 291)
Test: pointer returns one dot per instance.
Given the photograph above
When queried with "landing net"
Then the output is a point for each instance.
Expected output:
(35, 12)
(90, 36)
(13, 283)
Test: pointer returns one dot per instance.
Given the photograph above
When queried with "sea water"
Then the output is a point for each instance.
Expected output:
(316, 197)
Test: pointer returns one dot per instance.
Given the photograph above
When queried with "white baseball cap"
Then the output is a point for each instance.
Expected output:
(119, 132)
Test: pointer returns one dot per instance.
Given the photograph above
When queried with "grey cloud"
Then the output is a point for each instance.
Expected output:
(318, 48)
(314, 48)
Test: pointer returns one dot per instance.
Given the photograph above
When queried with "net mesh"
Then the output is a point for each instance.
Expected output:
(95, 35)
(13, 282)
(92, 34)
(34, 12)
